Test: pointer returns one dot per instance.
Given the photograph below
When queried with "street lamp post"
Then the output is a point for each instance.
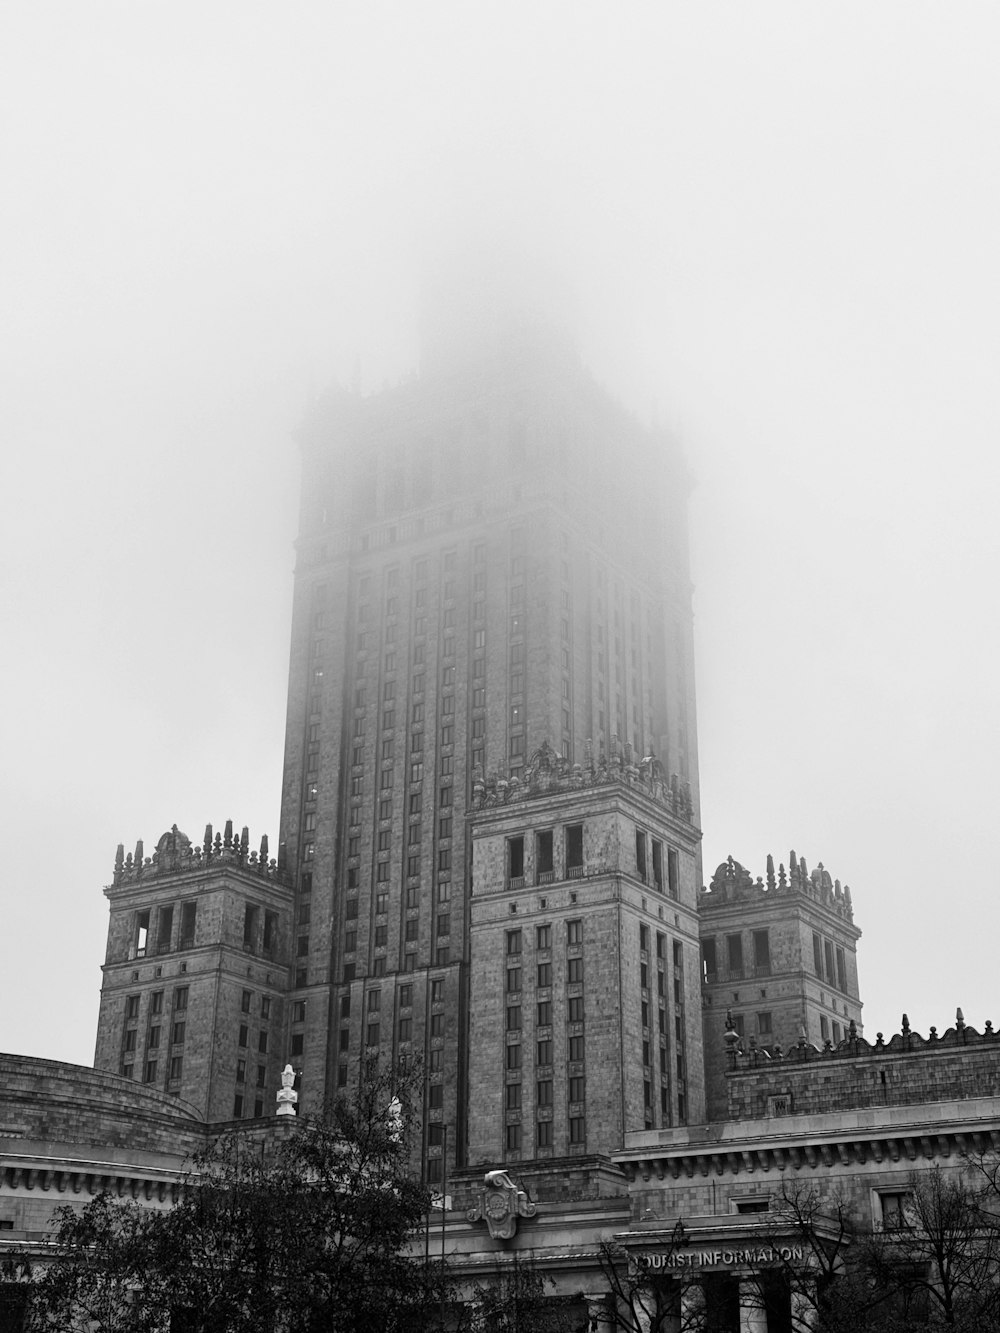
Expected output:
(444, 1209)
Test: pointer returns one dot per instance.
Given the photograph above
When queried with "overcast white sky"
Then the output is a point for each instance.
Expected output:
(780, 222)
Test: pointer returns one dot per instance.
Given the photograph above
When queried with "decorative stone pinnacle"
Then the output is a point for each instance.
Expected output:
(175, 853)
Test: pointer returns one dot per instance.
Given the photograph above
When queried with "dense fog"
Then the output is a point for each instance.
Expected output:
(770, 229)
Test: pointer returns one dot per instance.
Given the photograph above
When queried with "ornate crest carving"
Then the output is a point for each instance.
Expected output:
(501, 1203)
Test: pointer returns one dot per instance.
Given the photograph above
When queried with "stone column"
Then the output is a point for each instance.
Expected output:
(804, 1311)
(642, 1316)
(753, 1316)
(692, 1306)
(598, 1313)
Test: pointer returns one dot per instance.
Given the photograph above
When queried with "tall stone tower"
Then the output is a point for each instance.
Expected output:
(196, 975)
(585, 1013)
(491, 557)
(779, 964)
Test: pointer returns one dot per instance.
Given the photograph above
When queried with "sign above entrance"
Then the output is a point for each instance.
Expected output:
(736, 1256)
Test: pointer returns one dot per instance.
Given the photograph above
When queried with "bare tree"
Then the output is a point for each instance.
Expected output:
(809, 1233)
(644, 1299)
(940, 1261)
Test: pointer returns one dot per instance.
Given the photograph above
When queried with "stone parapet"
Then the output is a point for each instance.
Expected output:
(927, 1131)
(50, 1101)
(176, 854)
(856, 1073)
(548, 773)
(733, 883)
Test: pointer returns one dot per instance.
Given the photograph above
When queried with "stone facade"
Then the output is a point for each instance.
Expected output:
(585, 1015)
(196, 976)
(907, 1070)
(779, 963)
(489, 861)
(465, 591)
(68, 1133)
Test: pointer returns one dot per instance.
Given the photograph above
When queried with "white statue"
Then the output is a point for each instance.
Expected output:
(286, 1095)
(394, 1116)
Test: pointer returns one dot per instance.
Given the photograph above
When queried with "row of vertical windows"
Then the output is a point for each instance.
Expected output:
(404, 1027)
(824, 1029)
(665, 871)
(544, 1044)
(161, 940)
(388, 697)
(603, 638)
(763, 1024)
(156, 1020)
(246, 1003)
(725, 960)
(829, 962)
(413, 864)
(664, 955)
(313, 724)
(260, 930)
(544, 855)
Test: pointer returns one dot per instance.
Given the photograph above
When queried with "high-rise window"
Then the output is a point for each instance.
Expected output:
(574, 848)
(515, 858)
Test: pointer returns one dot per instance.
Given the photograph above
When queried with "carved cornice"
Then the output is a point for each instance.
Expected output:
(90, 1178)
(547, 773)
(733, 883)
(780, 1148)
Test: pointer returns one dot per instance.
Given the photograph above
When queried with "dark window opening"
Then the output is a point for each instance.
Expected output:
(734, 955)
(708, 963)
(270, 931)
(164, 929)
(250, 919)
(673, 872)
(895, 1206)
(189, 913)
(515, 858)
(141, 933)
(543, 854)
(761, 953)
(574, 848)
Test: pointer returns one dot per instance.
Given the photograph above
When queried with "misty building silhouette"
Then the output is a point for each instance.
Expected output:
(489, 863)
(491, 558)
(489, 855)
